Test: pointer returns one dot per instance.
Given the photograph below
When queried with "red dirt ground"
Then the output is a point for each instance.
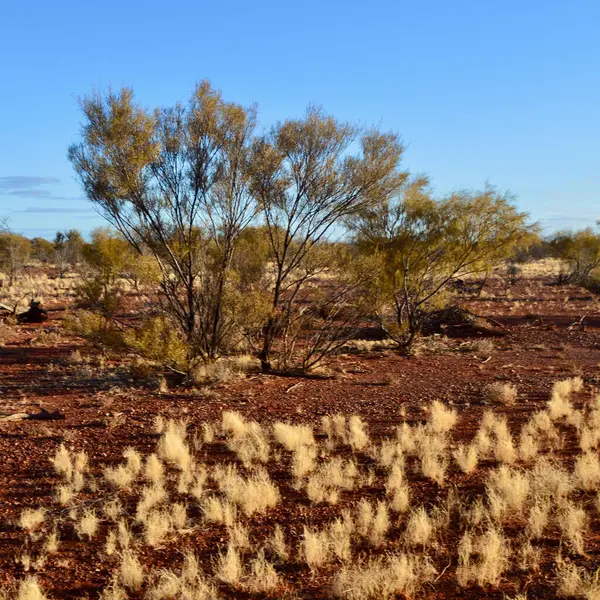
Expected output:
(105, 412)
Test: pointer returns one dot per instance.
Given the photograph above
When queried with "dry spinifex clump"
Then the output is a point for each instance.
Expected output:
(501, 393)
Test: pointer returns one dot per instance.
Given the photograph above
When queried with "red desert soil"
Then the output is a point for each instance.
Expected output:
(105, 412)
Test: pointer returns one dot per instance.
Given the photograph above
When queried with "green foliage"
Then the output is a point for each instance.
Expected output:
(144, 270)
(253, 309)
(251, 257)
(108, 253)
(184, 187)
(580, 250)
(99, 330)
(14, 253)
(306, 179)
(42, 250)
(154, 339)
(421, 244)
(99, 295)
(71, 238)
(336, 304)
(538, 248)
(158, 340)
(175, 184)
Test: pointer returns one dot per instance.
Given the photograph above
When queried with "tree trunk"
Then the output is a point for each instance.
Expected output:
(269, 329)
(217, 315)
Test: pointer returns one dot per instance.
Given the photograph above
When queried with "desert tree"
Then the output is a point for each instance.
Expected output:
(309, 175)
(42, 250)
(175, 183)
(336, 308)
(68, 250)
(108, 253)
(105, 257)
(420, 244)
(14, 252)
(580, 250)
(324, 309)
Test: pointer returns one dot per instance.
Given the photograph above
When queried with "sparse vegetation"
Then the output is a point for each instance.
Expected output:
(532, 488)
(264, 358)
(189, 301)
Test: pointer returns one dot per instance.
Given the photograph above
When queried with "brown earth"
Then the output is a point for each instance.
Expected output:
(540, 341)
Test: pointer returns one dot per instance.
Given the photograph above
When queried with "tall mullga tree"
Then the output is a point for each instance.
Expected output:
(308, 176)
(175, 183)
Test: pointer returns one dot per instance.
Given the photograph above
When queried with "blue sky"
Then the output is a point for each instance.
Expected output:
(506, 92)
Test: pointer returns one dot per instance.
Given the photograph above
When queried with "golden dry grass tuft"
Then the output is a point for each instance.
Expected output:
(501, 393)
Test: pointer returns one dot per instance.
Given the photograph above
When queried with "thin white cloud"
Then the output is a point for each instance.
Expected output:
(26, 186)
(20, 182)
(49, 210)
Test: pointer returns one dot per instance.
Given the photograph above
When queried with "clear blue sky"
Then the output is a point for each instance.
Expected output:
(505, 91)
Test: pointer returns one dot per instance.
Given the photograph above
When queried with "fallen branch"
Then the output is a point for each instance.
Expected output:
(14, 417)
(489, 319)
(293, 387)
(443, 571)
(43, 415)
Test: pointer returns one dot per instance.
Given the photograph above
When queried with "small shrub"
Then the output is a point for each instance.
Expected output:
(483, 347)
(559, 405)
(587, 471)
(358, 438)
(419, 528)
(131, 572)
(383, 578)
(572, 521)
(88, 524)
(441, 419)
(467, 458)
(277, 545)
(229, 567)
(62, 462)
(293, 437)
(172, 446)
(32, 519)
(262, 577)
(501, 393)
(314, 548)
(157, 525)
